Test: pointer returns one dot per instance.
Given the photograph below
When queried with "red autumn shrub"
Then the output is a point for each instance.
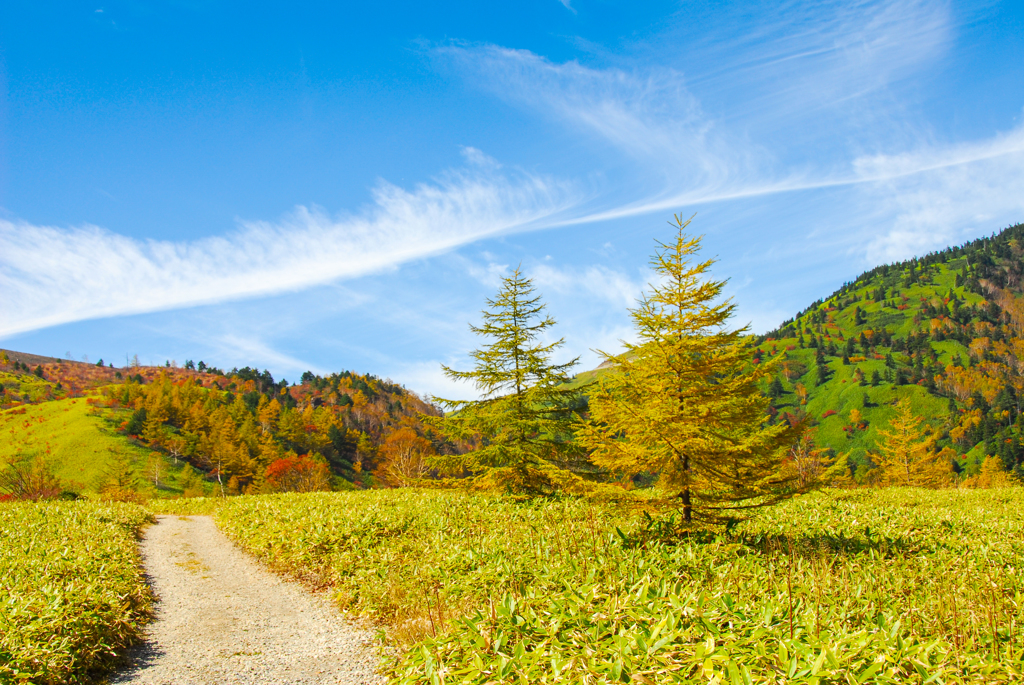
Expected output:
(298, 474)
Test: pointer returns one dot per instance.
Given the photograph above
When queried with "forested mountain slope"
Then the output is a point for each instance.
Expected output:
(212, 429)
(944, 330)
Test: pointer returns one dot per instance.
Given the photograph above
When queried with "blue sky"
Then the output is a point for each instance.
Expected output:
(341, 186)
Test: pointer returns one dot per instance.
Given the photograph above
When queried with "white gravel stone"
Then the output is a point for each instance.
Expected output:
(221, 618)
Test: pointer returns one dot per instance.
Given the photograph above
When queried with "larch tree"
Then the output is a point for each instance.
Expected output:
(685, 400)
(525, 418)
(992, 474)
(906, 455)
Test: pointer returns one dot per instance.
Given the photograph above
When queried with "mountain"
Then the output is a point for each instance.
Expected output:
(943, 330)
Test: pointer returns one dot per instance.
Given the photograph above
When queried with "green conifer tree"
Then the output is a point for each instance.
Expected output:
(526, 416)
(822, 371)
(685, 400)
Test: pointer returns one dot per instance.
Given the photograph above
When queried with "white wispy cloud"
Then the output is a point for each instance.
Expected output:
(794, 100)
(488, 274)
(598, 282)
(648, 115)
(801, 100)
(775, 68)
(428, 380)
(974, 189)
(794, 60)
(51, 275)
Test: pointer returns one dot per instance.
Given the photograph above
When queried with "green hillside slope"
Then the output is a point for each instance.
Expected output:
(81, 448)
(907, 330)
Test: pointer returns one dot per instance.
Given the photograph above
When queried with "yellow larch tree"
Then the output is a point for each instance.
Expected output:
(685, 400)
(992, 475)
(906, 455)
(268, 413)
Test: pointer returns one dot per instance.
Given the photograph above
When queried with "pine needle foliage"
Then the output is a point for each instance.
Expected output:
(906, 455)
(524, 422)
(686, 400)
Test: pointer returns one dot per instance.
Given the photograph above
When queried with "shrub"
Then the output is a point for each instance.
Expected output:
(30, 479)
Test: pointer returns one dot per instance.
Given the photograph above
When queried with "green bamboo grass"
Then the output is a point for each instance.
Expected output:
(72, 593)
(880, 586)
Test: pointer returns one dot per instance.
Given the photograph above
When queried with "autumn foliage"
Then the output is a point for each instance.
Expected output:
(298, 474)
(405, 456)
(237, 427)
(685, 400)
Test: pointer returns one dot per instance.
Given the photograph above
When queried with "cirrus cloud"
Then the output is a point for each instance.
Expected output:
(53, 275)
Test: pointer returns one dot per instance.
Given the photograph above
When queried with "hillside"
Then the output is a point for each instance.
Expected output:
(170, 431)
(943, 330)
(80, 448)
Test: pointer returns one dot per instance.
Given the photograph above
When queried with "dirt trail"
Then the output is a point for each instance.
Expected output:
(222, 619)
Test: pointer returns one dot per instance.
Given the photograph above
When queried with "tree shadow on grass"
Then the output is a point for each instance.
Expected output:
(670, 531)
(836, 544)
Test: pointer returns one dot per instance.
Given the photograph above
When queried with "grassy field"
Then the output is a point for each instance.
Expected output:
(883, 586)
(72, 594)
(80, 447)
(865, 586)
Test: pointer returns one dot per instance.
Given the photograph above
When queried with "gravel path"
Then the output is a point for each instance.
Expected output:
(221, 619)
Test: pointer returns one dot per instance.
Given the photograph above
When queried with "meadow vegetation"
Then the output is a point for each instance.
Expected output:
(72, 594)
(880, 586)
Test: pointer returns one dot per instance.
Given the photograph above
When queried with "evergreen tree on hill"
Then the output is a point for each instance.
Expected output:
(906, 455)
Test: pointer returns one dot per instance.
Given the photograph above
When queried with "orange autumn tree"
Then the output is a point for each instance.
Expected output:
(297, 474)
(405, 456)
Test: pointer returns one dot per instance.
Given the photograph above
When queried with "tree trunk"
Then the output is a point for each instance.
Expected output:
(687, 509)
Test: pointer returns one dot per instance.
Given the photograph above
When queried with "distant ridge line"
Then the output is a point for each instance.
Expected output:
(26, 358)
